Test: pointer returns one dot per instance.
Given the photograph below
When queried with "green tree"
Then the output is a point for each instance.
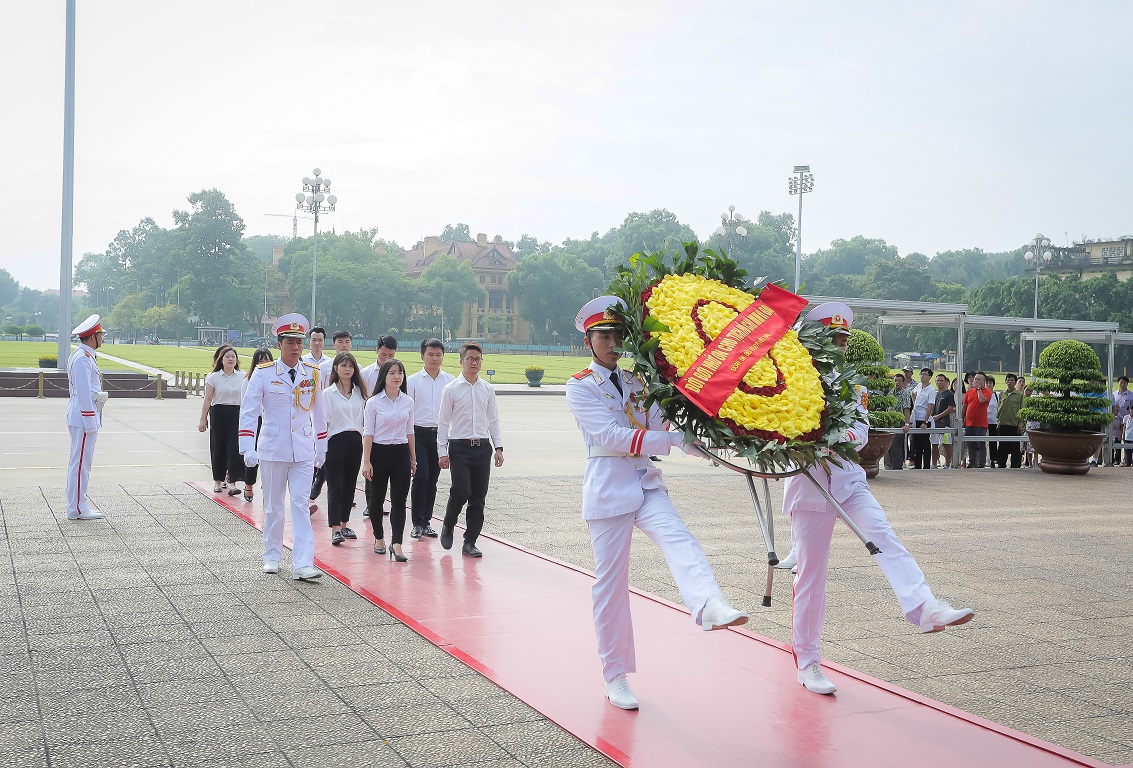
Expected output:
(848, 257)
(128, 313)
(658, 230)
(551, 287)
(9, 288)
(214, 260)
(456, 232)
(450, 284)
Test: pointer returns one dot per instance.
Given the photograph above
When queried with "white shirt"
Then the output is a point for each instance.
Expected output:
(993, 409)
(467, 412)
(227, 387)
(389, 422)
(369, 376)
(426, 393)
(923, 397)
(344, 414)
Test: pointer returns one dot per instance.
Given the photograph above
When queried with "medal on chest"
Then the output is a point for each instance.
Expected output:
(306, 390)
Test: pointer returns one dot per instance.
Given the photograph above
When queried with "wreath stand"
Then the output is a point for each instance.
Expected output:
(763, 511)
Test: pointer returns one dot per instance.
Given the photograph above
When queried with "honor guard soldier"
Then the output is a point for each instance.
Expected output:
(84, 416)
(812, 525)
(621, 489)
(293, 441)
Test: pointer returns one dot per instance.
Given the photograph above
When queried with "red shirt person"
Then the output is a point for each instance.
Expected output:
(976, 400)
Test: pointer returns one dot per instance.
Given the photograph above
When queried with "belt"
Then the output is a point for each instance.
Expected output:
(595, 451)
(475, 441)
(418, 426)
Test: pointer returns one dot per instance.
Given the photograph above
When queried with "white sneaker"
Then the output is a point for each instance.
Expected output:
(90, 514)
(937, 614)
(815, 680)
(718, 613)
(620, 694)
(310, 573)
(788, 561)
(271, 566)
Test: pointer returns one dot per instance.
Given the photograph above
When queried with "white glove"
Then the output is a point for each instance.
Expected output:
(677, 440)
(319, 459)
(251, 458)
(100, 399)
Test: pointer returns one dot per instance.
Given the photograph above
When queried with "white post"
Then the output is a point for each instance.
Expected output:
(314, 268)
(799, 239)
(67, 234)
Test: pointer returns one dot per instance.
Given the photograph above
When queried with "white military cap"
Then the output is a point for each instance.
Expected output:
(833, 314)
(88, 327)
(292, 326)
(598, 313)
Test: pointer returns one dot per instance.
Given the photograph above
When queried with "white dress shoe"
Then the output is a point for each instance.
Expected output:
(788, 561)
(271, 566)
(310, 573)
(815, 680)
(90, 514)
(937, 614)
(620, 694)
(718, 613)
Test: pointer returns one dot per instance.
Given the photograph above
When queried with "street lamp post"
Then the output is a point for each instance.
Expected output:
(800, 185)
(731, 224)
(313, 200)
(1040, 254)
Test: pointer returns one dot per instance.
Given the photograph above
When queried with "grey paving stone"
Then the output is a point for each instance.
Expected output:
(23, 758)
(351, 753)
(144, 752)
(317, 731)
(98, 726)
(175, 722)
(285, 704)
(436, 750)
(76, 703)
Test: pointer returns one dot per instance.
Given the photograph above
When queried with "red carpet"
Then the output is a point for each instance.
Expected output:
(726, 698)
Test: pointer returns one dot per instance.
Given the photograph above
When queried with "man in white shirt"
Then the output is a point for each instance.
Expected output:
(924, 397)
(316, 357)
(387, 350)
(466, 418)
(426, 387)
(84, 416)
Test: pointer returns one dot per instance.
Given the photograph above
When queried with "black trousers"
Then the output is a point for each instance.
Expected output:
(977, 448)
(391, 468)
(1009, 450)
(424, 493)
(470, 467)
(224, 443)
(344, 459)
(993, 446)
(922, 450)
(895, 456)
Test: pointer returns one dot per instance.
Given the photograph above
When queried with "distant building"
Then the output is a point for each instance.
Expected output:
(491, 262)
(1092, 258)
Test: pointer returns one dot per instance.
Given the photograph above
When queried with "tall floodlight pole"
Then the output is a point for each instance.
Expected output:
(730, 224)
(1040, 254)
(67, 235)
(313, 200)
(800, 184)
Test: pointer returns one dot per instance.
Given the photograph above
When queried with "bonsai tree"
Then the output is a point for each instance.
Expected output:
(868, 357)
(1073, 390)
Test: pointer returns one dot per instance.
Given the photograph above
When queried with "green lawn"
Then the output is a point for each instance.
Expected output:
(509, 368)
(26, 354)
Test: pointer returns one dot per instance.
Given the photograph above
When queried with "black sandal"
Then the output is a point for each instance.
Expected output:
(348, 533)
(336, 538)
(233, 491)
(248, 494)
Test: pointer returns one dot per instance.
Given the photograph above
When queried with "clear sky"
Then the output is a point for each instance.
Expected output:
(931, 125)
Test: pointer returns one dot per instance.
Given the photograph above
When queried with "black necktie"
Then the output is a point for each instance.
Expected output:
(616, 379)
(292, 372)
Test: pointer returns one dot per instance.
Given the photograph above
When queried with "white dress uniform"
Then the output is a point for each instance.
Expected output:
(812, 526)
(84, 417)
(621, 489)
(293, 438)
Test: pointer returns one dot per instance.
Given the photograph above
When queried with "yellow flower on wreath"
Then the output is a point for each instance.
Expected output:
(694, 307)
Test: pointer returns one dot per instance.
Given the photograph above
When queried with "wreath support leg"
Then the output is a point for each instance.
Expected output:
(763, 513)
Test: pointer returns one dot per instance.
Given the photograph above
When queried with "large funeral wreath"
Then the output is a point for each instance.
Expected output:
(792, 408)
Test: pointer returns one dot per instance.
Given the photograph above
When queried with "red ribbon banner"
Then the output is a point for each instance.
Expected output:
(714, 376)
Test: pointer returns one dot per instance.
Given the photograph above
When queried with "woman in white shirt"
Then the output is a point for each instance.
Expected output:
(388, 455)
(222, 405)
(261, 355)
(344, 400)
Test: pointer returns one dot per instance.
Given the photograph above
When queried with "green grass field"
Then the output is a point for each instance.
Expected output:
(509, 369)
(26, 354)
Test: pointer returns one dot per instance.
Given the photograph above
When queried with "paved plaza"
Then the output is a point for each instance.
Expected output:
(151, 638)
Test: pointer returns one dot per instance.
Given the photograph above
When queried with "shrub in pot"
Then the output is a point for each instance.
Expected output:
(865, 353)
(48, 361)
(1070, 406)
(534, 375)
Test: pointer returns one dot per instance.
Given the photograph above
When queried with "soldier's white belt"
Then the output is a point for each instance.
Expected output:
(595, 451)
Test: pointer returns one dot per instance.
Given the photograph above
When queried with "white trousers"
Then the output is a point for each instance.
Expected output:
(78, 469)
(610, 537)
(811, 532)
(281, 479)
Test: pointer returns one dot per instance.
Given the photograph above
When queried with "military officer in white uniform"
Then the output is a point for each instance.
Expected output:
(84, 416)
(621, 489)
(812, 525)
(293, 441)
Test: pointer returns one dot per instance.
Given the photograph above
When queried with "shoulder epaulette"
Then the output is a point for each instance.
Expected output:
(582, 374)
(309, 365)
(267, 364)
